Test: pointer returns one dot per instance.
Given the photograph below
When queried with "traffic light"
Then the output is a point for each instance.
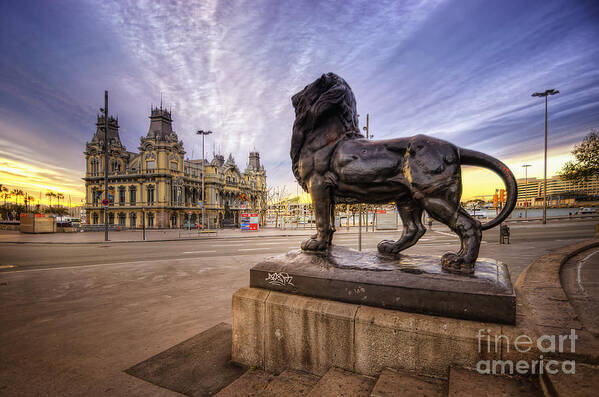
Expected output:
(495, 200)
(502, 196)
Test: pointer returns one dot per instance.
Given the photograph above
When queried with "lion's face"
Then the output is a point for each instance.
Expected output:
(310, 94)
(328, 100)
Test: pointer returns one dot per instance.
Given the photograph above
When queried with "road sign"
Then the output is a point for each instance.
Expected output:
(105, 202)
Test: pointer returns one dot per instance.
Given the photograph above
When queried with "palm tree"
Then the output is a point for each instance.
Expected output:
(28, 200)
(17, 193)
(50, 195)
(5, 193)
(59, 196)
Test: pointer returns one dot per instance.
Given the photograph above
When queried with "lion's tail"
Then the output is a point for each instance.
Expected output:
(471, 157)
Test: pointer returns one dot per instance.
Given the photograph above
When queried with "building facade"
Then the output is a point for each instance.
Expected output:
(158, 188)
(559, 192)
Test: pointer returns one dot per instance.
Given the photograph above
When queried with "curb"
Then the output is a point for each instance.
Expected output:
(177, 239)
(545, 301)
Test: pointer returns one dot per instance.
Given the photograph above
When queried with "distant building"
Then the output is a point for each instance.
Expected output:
(159, 184)
(559, 192)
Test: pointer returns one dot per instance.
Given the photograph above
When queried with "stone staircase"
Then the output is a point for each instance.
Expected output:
(340, 383)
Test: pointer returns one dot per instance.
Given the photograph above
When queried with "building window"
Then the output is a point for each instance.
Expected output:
(94, 167)
(173, 220)
(95, 197)
(111, 219)
(150, 165)
(174, 165)
(122, 219)
(95, 218)
(150, 219)
(132, 195)
(121, 196)
(132, 219)
(150, 195)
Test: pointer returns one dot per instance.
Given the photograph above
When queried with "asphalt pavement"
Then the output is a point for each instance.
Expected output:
(73, 317)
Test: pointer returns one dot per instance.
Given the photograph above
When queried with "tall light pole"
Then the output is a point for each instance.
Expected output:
(526, 185)
(105, 110)
(203, 134)
(545, 95)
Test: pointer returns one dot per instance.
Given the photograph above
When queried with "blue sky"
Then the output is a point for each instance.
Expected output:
(459, 70)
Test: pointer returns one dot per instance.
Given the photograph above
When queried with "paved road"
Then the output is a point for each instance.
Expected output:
(19, 257)
(74, 317)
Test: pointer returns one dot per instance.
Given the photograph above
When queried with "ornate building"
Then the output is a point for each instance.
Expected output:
(159, 186)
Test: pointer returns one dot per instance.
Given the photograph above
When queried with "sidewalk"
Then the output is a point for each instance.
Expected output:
(15, 237)
(127, 236)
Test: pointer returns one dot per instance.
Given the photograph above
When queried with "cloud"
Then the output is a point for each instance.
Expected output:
(459, 70)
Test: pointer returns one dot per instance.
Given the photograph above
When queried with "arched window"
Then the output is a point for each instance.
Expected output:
(111, 218)
(150, 219)
(95, 218)
(122, 219)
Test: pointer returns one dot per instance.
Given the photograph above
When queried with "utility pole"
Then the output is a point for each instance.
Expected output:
(526, 185)
(203, 134)
(545, 95)
(106, 164)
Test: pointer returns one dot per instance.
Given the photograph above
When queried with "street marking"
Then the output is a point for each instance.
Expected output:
(281, 242)
(196, 252)
(225, 245)
(253, 249)
(445, 234)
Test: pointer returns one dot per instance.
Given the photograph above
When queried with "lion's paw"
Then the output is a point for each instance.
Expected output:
(313, 244)
(454, 263)
(388, 247)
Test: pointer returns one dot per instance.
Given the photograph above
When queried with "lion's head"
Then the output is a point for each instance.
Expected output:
(327, 95)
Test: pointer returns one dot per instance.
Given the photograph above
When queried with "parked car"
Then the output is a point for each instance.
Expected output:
(586, 210)
(189, 225)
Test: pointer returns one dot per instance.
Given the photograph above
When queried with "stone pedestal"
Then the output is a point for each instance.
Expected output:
(277, 331)
(411, 283)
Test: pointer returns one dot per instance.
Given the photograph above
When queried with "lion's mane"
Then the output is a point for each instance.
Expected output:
(329, 94)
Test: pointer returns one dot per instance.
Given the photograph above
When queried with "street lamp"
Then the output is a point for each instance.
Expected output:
(105, 111)
(203, 134)
(545, 95)
(526, 185)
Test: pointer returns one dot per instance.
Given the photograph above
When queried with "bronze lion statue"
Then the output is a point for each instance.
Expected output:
(333, 161)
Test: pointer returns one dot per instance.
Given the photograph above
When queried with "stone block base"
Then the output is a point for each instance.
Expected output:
(277, 331)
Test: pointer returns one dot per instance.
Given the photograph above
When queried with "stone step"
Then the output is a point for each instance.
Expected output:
(581, 383)
(339, 383)
(250, 384)
(398, 383)
(465, 383)
(290, 383)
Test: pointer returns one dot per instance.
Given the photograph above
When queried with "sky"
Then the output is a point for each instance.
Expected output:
(458, 70)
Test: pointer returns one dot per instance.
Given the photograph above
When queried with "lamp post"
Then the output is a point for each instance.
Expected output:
(545, 95)
(526, 185)
(203, 134)
(105, 110)
(368, 136)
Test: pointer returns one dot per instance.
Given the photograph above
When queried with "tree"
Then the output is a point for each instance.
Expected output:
(59, 196)
(474, 204)
(585, 165)
(28, 200)
(17, 193)
(50, 195)
(4, 193)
